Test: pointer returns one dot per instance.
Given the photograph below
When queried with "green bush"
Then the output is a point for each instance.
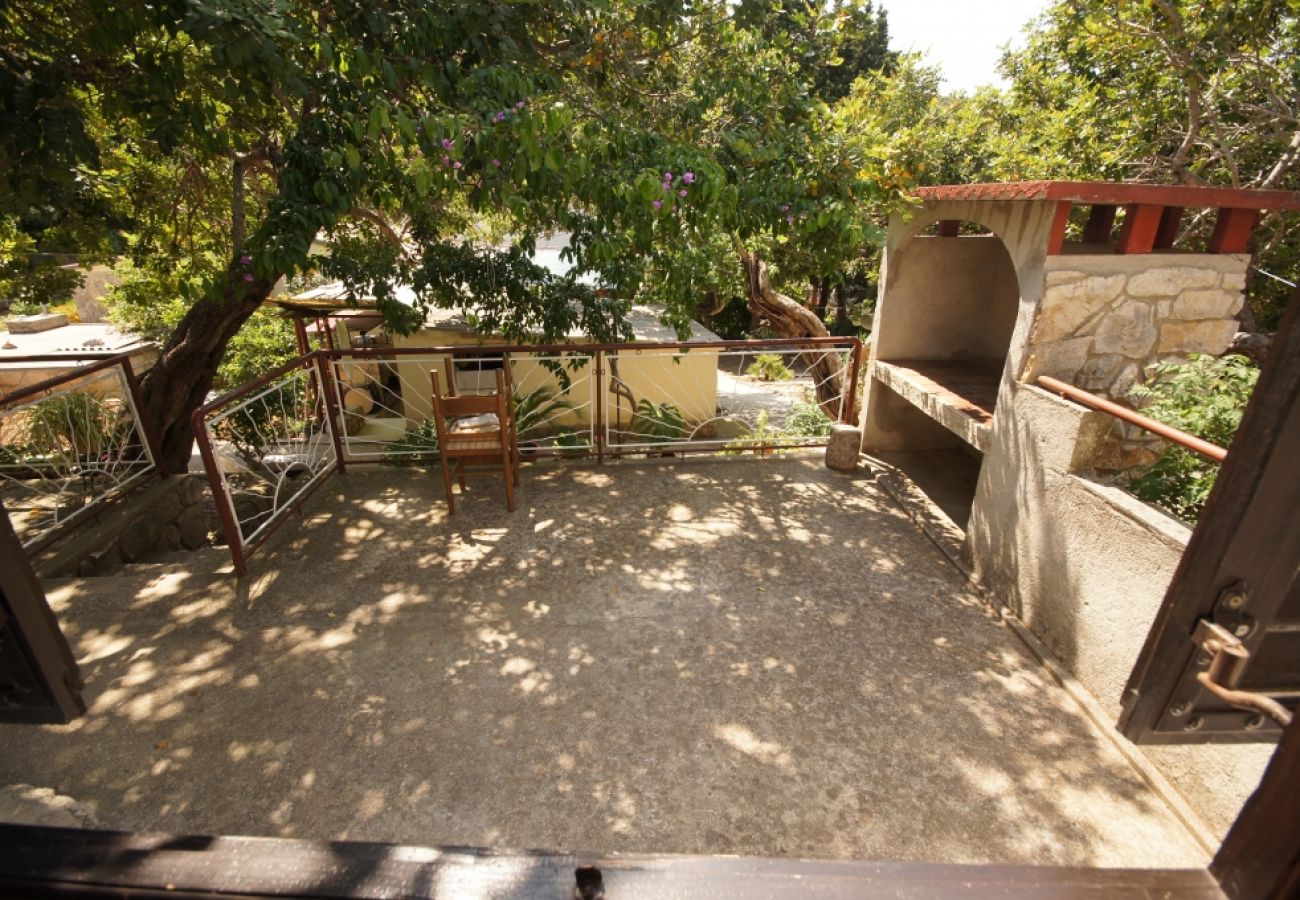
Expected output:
(419, 445)
(769, 367)
(152, 304)
(807, 420)
(1205, 397)
(77, 421)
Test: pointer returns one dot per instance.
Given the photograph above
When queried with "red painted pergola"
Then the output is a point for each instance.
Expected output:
(1152, 212)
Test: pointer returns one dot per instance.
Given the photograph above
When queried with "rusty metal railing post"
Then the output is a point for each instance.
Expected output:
(220, 496)
(600, 407)
(847, 408)
(333, 407)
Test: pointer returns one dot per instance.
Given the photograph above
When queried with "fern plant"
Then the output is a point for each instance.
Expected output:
(1205, 396)
(535, 408)
(658, 422)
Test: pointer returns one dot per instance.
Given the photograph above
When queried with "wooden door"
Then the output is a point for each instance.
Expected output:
(39, 679)
(1239, 579)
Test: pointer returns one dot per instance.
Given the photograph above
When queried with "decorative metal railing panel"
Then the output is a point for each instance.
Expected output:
(725, 399)
(387, 400)
(266, 448)
(69, 445)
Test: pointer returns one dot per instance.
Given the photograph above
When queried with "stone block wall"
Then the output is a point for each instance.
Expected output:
(1106, 319)
(166, 515)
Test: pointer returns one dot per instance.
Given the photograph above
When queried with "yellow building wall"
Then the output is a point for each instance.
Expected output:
(688, 380)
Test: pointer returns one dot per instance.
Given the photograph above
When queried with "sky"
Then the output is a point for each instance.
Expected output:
(963, 37)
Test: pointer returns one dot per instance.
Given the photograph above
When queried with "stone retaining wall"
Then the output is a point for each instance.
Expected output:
(1106, 319)
(166, 515)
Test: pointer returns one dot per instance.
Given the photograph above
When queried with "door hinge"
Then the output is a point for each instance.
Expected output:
(1227, 658)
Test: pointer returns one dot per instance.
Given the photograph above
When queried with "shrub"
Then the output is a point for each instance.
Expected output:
(1205, 397)
(807, 420)
(769, 367)
(75, 420)
(658, 422)
(418, 445)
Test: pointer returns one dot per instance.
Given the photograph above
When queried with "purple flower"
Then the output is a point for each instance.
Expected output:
(456, 164)
(682, 192)
(497, 163)
(501, 116)
(785, 207)
(789, 220)
(447, 143)
(248, 276)
(520, 104)
(245, 260)
(446, 160)
(657, 204)
(668, 176)
(667, 186)
(689, 178)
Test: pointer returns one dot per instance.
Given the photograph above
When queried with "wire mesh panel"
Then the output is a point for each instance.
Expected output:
(725, 399)
(68, 446)
(267, 447)
(387, 400)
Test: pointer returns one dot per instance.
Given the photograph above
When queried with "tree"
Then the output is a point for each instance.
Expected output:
(236, 134)
(1194, 92)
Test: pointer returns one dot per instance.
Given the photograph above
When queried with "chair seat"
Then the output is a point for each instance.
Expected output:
(477, 442)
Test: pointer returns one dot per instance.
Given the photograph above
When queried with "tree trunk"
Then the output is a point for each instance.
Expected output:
(844, 324)
(183, 375)
(790, 318)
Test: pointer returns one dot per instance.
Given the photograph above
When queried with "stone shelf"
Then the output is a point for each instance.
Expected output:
(959, 395)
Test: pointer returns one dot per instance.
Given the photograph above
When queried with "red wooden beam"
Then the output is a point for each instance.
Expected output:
(1056, 237)
(948, 227)
(1100, 221)
(1232, 230)
(1138, 233)
(1167, 233)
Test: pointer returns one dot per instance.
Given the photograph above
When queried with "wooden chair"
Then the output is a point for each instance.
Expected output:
(476, 452)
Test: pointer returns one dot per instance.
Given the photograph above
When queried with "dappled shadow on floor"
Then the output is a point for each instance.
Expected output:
(721, 656)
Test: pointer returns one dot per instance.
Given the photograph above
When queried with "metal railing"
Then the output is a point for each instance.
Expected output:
(268, 446)
(609, 400)
(1123, 413)
(71, 445)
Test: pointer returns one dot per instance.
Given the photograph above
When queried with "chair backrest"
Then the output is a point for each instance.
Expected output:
(450, 406)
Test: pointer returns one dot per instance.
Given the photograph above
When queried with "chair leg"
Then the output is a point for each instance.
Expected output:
(509, 472)
(446, 484)
(460, 473)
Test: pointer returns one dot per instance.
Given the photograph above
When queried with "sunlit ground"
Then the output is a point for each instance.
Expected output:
(722, 656)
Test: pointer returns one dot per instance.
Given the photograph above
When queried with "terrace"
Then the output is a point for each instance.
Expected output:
(713, 656)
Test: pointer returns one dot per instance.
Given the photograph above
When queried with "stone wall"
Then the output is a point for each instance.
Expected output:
(1106, 319)
(165, 515)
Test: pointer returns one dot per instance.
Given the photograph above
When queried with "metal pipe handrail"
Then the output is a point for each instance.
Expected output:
(846, 343)
(73, 374)
(1168, 432)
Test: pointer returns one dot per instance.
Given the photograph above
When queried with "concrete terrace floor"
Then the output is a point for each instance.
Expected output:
(710, 656)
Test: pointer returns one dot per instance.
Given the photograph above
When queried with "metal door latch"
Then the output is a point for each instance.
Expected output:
(1228, 658)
